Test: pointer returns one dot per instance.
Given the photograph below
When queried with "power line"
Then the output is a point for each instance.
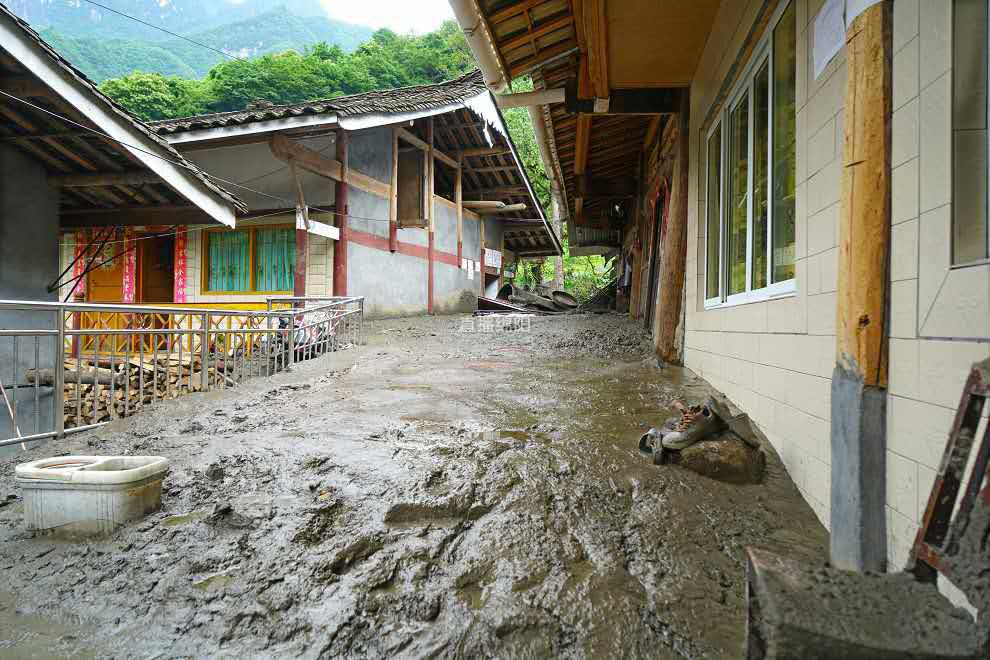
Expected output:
(166, 31)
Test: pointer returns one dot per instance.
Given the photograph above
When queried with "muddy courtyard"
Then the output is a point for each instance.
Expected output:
(434, 493)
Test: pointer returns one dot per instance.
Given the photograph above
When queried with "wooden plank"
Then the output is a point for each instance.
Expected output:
(473, 152)
(864, 226)
(97, 179)
(530, 37)
(583, 139)
(421, 144)
(25, 87)
(393, 204)
(459, 200)
(596, 35)
(342, 208)
(527, 65)
(513, 9)
(285, 149)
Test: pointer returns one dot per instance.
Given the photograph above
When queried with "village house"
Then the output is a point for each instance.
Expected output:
(72, 160)
(407, 192)
(797, 190)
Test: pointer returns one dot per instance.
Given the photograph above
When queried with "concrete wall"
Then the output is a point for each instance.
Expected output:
(394, 284)
(29, 258)
(775, 358)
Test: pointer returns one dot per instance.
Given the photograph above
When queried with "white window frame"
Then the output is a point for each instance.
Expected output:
(762, 54)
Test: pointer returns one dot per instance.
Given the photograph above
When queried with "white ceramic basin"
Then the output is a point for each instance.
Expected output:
(87, 495)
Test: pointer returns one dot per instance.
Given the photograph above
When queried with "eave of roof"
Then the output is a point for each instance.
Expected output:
(24, 45)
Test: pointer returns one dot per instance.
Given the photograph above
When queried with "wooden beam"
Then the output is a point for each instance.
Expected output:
(651, 133)
(473, 152)
(583, 136)
(500, 190)
(529, 37)
(431, 238)
(25, 87)
(425, 146)
(514, 9)
(103, 179)
(596, 35)
(674, 257)
(859, 381)
(393, 195)
(618, 187)
(131, 216)
(459, 200)
(285, 150)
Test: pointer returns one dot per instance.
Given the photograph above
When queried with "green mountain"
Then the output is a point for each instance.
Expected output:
(85, 42)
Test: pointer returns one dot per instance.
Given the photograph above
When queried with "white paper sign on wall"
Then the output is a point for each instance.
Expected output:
(830, 33)
(856, 7)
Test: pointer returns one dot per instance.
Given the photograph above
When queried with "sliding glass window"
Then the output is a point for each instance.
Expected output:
(751, 165)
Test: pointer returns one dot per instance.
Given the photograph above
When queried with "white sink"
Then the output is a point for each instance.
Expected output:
(89, 495)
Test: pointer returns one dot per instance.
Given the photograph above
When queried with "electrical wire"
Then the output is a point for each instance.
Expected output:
(166, 31)
(187, 166)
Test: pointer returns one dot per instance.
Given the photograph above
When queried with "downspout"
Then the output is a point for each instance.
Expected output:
(482, 44)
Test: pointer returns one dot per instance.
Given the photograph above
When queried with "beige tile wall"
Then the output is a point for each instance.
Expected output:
(775, 358)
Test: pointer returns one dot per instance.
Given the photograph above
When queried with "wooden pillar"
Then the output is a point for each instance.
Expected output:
(340, 202)
(481, 253)
(674, 255)
(393, 205)
(459, 199)
(859, 381)
(431, 253)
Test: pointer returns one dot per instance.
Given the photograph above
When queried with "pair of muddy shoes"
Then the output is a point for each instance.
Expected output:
(679, 432)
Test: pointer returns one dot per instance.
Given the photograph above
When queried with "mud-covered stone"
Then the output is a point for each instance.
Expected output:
(725, 458)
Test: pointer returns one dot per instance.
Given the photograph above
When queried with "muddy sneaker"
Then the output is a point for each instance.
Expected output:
(653, 437)
(697, 422)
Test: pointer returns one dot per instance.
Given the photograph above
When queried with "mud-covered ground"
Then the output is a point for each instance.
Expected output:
(433, 493)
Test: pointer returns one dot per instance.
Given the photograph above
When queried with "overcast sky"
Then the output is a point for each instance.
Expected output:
(400, 15)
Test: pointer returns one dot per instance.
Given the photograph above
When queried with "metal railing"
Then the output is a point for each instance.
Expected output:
(69, 367)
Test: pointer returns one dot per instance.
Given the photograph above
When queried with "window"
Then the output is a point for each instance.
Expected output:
(258, 259)
(751, 176)
(411, 187)
(970, 242)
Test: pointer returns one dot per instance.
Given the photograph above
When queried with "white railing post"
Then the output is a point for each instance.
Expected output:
(58, 389)
(204, 353)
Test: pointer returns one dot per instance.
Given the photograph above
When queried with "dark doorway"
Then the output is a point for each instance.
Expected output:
(655, 255)
(156, 263)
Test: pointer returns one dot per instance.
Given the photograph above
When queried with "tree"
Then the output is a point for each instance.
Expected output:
(152, 96)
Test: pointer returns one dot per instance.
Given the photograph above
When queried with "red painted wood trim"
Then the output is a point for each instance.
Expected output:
(429, 276)
(299, 280)
(409, 249)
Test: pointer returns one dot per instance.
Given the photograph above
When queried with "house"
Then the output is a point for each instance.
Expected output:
(71, 159)
(805, 222)
(395, 195)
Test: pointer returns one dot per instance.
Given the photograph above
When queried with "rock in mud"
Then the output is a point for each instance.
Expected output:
(726, 459)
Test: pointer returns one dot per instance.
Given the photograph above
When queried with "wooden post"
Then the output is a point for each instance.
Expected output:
(429, 214)
(302, 239)
(393, 205)
(859, 381)
(459, 200)
(674, 255)
(481, 253)
(340, 202)
(501, 266)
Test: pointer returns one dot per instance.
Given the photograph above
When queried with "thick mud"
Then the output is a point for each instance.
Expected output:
(435, 493)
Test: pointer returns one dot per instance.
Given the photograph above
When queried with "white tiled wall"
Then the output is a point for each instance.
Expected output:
(775, 359)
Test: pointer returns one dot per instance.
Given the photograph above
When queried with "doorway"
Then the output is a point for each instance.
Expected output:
(656, 246)
(156, 267)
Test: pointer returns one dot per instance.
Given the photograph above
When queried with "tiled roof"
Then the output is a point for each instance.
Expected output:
(160, 144)
(385, 101)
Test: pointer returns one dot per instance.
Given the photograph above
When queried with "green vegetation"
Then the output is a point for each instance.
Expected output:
(322, 71)
(275, 31)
